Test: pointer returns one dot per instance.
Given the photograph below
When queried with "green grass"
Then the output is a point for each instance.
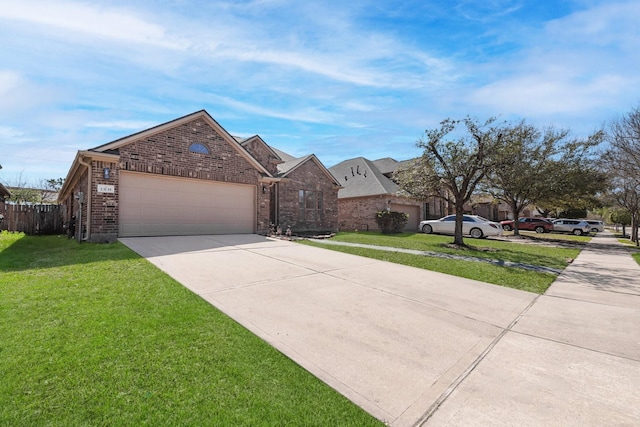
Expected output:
(533, 254)
(504, 276)
(627, 242)
(95, 335)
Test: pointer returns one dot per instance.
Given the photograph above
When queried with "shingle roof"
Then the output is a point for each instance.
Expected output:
(284, 156)
(361, 177)
(386, 165)
(287, 166)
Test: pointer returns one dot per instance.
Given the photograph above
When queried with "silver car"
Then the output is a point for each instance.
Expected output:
(573, 226)
(472, 225)
(595, 225)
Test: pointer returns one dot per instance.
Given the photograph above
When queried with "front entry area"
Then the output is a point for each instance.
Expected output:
(155, 205)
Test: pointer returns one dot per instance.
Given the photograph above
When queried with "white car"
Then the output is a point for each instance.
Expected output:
(472, 225)
(573, 226)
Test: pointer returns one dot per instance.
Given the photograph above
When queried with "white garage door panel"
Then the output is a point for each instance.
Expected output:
(152, 205)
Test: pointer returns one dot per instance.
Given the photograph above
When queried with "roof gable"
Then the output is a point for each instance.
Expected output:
(287, 168)
(114, 145)
(256, 139)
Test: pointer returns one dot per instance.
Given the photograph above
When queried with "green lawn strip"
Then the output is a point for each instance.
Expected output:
(636, 256)
(95, 335)
(532, 254)
(504, 276)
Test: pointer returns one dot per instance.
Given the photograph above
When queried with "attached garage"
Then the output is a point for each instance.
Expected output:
(413, 212)
(189, 176)
(156, 205)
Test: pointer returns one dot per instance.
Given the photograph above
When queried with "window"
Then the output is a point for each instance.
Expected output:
(309, 206)
(196, 147)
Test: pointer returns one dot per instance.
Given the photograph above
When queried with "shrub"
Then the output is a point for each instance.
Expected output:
(391, 222)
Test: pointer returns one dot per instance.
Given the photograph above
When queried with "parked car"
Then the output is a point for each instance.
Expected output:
(574, 226)
(596, 225)
(539, 225)
(472, 225)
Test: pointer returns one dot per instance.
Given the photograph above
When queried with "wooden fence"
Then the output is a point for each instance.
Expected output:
(31, 219)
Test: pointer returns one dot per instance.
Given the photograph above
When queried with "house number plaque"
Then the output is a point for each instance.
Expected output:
(103, 188)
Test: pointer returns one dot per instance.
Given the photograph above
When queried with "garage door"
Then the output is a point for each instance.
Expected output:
(152, 205)
(412, 211)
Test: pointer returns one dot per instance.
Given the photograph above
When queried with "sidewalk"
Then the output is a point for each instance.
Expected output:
(572, 359)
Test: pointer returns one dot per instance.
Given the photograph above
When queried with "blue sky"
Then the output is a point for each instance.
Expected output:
(340, 79)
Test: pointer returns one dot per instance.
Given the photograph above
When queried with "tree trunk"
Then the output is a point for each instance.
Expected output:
(458, 240)
(515, 213)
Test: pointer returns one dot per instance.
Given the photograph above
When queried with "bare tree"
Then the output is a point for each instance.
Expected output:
(452, 165)
(622, 161)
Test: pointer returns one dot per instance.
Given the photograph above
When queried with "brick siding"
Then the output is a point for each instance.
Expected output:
(359, 213)
(104, 206)
(262, 154)
(310, 177)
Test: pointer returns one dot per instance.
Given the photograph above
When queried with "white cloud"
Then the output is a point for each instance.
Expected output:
(542, 94)
(310, 115)
(614, 23)
(90, 20)
(335, 48)
(120, 124)
(578, 65)
(9, 80)
(9, 135)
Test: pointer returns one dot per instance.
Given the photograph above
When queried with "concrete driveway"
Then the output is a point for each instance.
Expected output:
(416, 347)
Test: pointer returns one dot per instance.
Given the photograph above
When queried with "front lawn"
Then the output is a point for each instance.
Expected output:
(95, 335)
(533, 253)
(547, 255)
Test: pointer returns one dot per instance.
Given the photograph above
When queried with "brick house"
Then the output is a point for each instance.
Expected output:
(368, 188)
(190, 176)
(4, 194)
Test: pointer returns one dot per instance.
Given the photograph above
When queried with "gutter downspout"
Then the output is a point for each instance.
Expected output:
(89, 180)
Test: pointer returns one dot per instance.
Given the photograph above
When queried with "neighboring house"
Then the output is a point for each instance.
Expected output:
(487, 206)
(33, 195)
(190, 176)
(368, 188)
(303, 193)
(4, 193)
